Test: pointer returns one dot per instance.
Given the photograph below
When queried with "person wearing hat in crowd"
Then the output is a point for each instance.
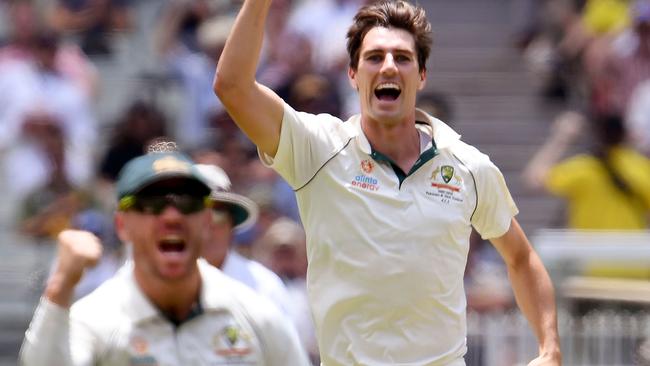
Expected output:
(282, 249)
(232, 212)
(190, 59)
(166, 306)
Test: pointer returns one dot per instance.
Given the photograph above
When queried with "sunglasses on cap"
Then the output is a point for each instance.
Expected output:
(156, 204)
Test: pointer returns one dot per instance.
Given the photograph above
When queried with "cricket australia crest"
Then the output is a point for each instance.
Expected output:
(446, 185)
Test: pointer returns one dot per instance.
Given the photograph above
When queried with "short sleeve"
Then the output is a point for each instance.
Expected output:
(495, 207)
(307, 142)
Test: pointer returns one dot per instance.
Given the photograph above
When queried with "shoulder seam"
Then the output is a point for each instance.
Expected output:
(325, 163)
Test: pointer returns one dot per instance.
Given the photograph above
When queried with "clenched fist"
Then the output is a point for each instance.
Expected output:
(77, 250)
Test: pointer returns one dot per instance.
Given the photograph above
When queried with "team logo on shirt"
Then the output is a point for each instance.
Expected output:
(232, 342)
(365, 181)
(447, 184)
(140, 355)
(447, 172)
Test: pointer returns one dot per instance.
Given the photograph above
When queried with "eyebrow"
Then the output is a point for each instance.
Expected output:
(382, 50)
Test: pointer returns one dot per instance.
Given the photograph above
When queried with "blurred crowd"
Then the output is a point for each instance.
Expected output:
(59, 159)
(592, 57)
(592, 60)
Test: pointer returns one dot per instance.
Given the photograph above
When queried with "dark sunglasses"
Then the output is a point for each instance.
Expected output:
(155, 205)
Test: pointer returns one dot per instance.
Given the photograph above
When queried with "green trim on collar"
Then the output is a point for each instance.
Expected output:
(195, 311)
(425, 156)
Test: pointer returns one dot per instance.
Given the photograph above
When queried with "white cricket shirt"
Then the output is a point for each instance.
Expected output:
(386, 258)
(116, 325)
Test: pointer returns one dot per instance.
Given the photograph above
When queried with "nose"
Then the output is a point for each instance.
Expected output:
(170, 214)
(388, 67)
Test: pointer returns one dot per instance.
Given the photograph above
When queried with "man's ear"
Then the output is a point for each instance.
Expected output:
(423, 80)
(121, 231)
(352, 78)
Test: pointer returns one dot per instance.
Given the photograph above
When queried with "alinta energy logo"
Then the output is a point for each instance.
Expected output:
(365, 181)
(140, 352)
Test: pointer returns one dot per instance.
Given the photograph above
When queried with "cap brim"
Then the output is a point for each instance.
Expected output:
(243, 210)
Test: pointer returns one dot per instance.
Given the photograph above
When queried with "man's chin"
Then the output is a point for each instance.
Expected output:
(178, 268)
(175, 274)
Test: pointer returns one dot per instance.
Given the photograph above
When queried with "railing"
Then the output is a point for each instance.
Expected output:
(599, 338)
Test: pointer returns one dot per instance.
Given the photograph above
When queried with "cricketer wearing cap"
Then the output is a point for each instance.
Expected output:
(165, 307)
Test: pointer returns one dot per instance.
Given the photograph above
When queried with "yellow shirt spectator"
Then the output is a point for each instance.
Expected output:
(606, 16)
(594, 201)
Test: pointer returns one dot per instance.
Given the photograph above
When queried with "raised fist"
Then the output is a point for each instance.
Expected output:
(77, 250)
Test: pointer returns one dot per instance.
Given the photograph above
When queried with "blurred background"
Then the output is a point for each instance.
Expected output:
(556, 92)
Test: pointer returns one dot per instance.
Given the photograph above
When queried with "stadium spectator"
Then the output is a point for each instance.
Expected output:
(194, 70)
(282, 249)
(39, 88)
(141, 123)
(627, 63)
(26, 28)
(94, 21)
(637, 118)
(50, 207)
(608, 188)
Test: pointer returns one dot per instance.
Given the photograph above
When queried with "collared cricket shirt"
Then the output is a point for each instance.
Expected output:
(117, 325)
(387, 249)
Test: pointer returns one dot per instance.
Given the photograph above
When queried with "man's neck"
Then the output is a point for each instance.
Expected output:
(399, 142)
(175, 299)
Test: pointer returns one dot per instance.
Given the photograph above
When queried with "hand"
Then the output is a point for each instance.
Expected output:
(568, 126)
(77, 250)
(546, 360)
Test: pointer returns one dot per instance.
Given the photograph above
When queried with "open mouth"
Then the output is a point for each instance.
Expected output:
(171, 244)
(388, 91)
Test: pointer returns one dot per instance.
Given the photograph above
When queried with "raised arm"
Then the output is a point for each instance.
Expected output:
(533, 291)
(566, 128)
(48, 341)
(256, 109)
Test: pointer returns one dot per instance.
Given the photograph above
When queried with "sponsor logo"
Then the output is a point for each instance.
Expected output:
(367, 166)
(140, 353)
(365, 182)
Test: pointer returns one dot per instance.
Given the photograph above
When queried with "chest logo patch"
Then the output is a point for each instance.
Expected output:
(232, 342)
(367, 166)
(447, 185)
(140, 352)
(365, 181)
(446, 172)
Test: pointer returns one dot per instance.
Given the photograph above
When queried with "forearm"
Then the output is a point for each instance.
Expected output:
(47, 338)
(535, 296)
(238, 62)
(548, 155)
(235, 83)
(565, 129)
(60, 289)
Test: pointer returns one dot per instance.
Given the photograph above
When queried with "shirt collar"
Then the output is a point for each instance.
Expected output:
(443, 136)
(139, 308)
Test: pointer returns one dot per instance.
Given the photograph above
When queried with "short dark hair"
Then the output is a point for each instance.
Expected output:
(396, 14)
